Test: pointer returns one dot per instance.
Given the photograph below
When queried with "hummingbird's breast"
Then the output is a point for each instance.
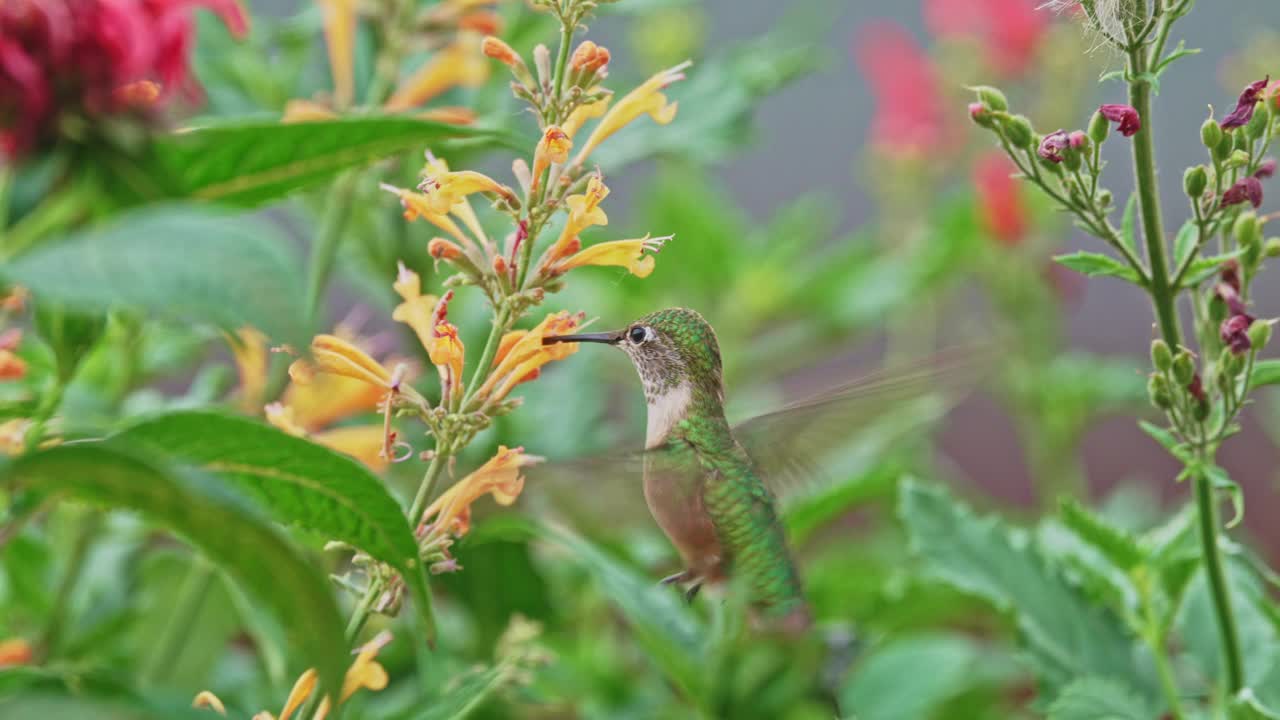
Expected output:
(667, 406)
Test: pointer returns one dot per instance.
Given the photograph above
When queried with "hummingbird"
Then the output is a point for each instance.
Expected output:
(709, 495)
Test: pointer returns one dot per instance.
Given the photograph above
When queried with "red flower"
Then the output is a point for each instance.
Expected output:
(1009, 30)
(999, 204)
(1266, 169)
(908, 113)
(1125, 115)
(1235, 333)
(91, 57)
(1249, 188)
(1244, 105)
(1053, 144)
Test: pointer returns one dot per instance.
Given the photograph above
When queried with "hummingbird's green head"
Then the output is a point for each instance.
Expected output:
(670, 348)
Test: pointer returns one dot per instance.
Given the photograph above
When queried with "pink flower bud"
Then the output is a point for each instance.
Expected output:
(1052, 145)
(1244, 106)
(1078, 139)
(1125, 115)
(1266, 169)
(1235, 333)
(1249, 188)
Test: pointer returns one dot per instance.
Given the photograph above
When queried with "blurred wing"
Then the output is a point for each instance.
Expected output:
(793, 447)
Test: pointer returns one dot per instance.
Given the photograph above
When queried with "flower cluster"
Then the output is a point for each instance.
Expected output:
(60, 59)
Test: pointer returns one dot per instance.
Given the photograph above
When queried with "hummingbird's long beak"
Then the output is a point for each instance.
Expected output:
(609, 338)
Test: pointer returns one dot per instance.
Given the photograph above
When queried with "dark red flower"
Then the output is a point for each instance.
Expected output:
(1235, 333)
(1053, 144)
(908, 115)
(1125, 115)
(92, 58)
(1196, 388)
(1009, 30)
(1266, 169)
(1230, 275)
(1249, 188)
(999, 203)
(1244, 105)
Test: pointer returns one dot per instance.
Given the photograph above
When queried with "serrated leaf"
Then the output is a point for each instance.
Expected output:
(1128, 233)
(254, 162)
(1067, 635)
(1095, 698)
(1097, 264)
(301, 483)
(234, 537)
(1115, 544)
(1258, 637)
(178, 262)
(1265, 372)
(1186, 242)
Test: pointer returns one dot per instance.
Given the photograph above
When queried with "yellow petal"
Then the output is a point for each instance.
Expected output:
(249, 350)
(460, 64)
(207, 699)
(416, 205)
(645, 99)
(332, 354)
(362, 442)
(327, 399)
(283, 418)
(521, 353)
(582, 114)
(302, 689)
(417, 309)
(500, 477)
(629, 254)
(444, 190)
(339, 33)
(296, 111)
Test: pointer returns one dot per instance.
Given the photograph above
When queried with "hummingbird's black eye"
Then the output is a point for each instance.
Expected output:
(638, 334)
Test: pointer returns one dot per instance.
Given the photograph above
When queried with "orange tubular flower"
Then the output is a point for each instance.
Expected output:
(589, 57)
(444, 347)
(629, 254)
(416, 205)
(459, 64)
(417, 309)
(554, 147)
(334, 355)
(339, 34)
(645, 99)
(445, 190)
(584, 211)
(498, 50)
(521, 354)
(500, 477)
(582, 114)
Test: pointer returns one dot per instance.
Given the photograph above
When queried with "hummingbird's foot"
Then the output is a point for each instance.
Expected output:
(680, 577)
(692, 592)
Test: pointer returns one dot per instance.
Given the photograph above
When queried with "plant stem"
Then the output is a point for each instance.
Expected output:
(173, 639)
(49, 404)
(427, 488)
(1155, 638)
(75, 566)
(332, 229)
(362, 611)
(1144, 172)
(1207, 507)
(562, 60)
(496, 332)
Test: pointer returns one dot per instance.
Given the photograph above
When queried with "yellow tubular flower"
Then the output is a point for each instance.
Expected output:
(417, 309)
(584, 211)
(500, 477)
(249, 350)
(445, 348)
(416, 205)
(521, 354)
(365, 443)
(554, 147)
(339, 34)
(207, 699)
(331, 354)
(629, 254)
(459, 64)
(445, 190)
(582, 114)
(645, 99)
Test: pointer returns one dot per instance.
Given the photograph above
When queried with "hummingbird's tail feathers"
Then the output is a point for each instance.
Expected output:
(859, 419)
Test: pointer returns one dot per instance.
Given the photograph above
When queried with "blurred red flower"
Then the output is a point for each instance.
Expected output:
(999, 205)
(908, 110)
(95, 57)
(1009, 30)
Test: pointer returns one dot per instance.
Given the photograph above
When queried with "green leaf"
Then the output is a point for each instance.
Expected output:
(1246, 706)
(254, 162)
(1265, 372)
(1067, 636)
(1179, 52)
(1203, 268)
(1128, 234)
(1259, 639)
(1167, 440)
(299, 482)
(874, 690)
(1095, 264)
(177, 262)
(232, 536)
(1220, 480)
(1185, 243)
(1097, 698)
(464, 698)
(1115, 544)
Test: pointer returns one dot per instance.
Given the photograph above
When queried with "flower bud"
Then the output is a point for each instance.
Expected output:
(1272, 247)
(589, 57)
(1099, 127)
(1257, 126)
(1238, 158)
(1158, 392)
(1078, 140)
(992, 98)
(1211, 134)
(1072, 159)
(1234, 332)
(1240, 141)
(1259, 333)
(442, 249)
(1184, 368)
(1194, 181)
(1223, 148)
(1229, 366)
(1104, 198)
(981, 115)
(1161, 355)
(1247, 230)
(1200, 410)
(1018, 130)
